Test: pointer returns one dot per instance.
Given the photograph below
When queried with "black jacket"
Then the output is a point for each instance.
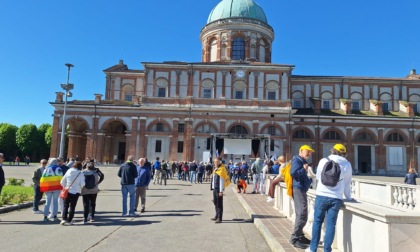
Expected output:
(2, 179)
(128, 173)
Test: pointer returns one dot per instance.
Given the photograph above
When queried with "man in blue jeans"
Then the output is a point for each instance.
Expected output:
(128, 173)
(329, 199)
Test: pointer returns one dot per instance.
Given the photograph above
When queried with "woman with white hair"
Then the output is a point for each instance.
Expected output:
(50, 185)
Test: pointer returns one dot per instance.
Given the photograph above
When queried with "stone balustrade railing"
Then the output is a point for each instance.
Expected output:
(383, 217)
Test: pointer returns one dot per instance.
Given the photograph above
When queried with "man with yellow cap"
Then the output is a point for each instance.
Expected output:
(301, 183)
(329, 199)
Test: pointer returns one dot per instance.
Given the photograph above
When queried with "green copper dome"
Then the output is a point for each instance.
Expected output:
(237, 9)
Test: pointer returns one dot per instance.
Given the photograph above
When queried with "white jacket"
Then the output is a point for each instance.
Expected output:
(68, 178)
(343, 186)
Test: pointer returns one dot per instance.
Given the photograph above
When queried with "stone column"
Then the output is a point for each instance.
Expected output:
(222, 125)
(95, 119)
(133, 138)
(101, 147)
(188, 139)
(381, 151)
(107, 150)
(350, 147)
(411, 151)
(318, 147)
(55, 142)
(143, 139)
(127, 145)
(174, 140)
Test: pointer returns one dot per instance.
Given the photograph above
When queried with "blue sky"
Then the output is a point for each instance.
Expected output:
(328, 37)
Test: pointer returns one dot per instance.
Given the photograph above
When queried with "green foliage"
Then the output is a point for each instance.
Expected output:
(8, 139)
(44, 143)
(27, 139)
(16, 182)
(16, 195)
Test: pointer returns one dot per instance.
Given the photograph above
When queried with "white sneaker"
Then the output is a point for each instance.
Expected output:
(89, 217)
(269, 200)
(63, 222)
(268, 197)
(308, 250)
(50, 216)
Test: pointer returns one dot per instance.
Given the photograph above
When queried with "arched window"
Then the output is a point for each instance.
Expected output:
(207, 88)
(238, 49)
(298, 100)
(416, 100)
(332, 135)
(363, 136)
(301, 134)
(327, 99)
(395, 137)
(213, 50)
(128, 92)
(272, 88)
(239, 89)
(356, 103)
(238, 129)
(161, 89)
(386, 102)
(262, 51)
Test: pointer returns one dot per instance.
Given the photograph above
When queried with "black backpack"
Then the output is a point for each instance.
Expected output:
(90, 181)
(331, 173)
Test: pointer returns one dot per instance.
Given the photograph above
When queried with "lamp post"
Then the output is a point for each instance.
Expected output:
(67, 87)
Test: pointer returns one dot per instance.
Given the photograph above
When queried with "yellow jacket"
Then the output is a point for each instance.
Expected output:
(288, 179)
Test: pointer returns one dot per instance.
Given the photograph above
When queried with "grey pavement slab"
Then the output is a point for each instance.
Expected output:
(177, 218)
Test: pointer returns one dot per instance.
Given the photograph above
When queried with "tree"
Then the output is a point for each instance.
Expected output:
(8, 140)
(44, 146)
(27, 140)
(48, 136)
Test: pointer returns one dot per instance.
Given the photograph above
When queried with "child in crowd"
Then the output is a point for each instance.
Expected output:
(241, 185)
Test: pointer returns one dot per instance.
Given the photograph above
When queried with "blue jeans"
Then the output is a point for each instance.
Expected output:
(193, 177)
(331, 207)
(128, 189)
(51, 198)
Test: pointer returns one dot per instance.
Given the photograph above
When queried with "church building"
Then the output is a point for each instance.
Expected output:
(240, 104)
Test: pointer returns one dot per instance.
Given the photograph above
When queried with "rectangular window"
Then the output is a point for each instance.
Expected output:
(325, 104)
(395, 155)
(128, 97)
(181, 127)
(158, 146)
(207, 93)
(180, 146)
(415, 108)
(162, 92)
(385, 107)
(239, 94)
(355, 106)
(271, 95)
(159, 127)
(208, 143)
(271, 130)
(272, 145)
(296, 104)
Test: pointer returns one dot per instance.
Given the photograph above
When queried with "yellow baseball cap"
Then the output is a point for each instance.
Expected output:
(341, 148)
(306, 147)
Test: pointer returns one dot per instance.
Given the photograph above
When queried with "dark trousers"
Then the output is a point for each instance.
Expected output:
(218, 204)
(37, 197)
(89, 205)
(70, 206)
(301, 211)
(200, 177)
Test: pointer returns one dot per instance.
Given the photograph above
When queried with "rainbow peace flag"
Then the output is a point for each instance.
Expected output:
(51, 178)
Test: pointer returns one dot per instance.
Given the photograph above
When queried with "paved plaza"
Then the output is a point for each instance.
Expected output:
(177, 218)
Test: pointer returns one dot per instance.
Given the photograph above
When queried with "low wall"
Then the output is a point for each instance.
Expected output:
(384, 217)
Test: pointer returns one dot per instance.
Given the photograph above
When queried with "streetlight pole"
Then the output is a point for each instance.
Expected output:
(67, 87)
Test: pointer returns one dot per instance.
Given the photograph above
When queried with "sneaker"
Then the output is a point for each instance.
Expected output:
(268, 197)
(135, 209)
(269, 200)
(50, 216)
(89, 217)
(142, 210)
(46, 219)
(84, 222)
(299, 244)
(63, 222)
(304, 240)
(133, 215)
(68, 223)
(308, 250)
(218, 221)
(124, 215)
(92, 220)
(253, 192)
(213, 219)
(37, 211)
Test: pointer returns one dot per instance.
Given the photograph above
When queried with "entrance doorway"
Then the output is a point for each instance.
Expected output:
(364, 159)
